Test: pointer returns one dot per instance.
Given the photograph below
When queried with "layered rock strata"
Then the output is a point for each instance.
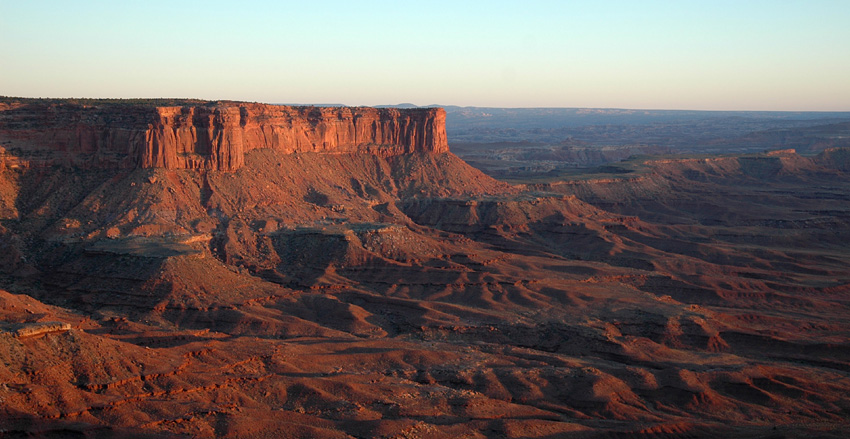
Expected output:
(209, 136)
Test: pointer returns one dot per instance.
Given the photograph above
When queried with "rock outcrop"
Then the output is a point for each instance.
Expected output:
(204, 135)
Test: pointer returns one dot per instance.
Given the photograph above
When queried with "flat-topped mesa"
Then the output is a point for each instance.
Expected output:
(210, 136)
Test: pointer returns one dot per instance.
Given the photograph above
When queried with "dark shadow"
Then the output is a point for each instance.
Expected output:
(316, 197)
(14, 425)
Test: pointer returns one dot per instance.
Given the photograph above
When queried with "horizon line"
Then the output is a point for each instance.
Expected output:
(411, 105)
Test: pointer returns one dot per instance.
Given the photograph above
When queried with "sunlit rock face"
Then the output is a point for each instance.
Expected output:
(209, 136)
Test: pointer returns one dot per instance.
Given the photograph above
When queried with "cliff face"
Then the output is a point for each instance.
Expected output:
(212, 136)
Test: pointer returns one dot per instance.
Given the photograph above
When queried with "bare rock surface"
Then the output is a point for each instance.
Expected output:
(203, 135)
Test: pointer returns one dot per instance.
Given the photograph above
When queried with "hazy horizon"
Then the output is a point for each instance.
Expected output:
(656, 55)
(404, 104)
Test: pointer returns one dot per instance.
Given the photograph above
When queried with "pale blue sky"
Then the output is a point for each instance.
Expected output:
(713, 54)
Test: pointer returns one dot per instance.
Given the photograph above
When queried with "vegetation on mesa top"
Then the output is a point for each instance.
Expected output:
(133, 102)
(136, 102)
(163, 102)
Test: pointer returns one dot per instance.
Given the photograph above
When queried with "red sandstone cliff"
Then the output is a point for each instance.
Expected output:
(212, 136)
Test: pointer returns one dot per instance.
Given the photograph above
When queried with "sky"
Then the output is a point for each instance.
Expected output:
(677, 54)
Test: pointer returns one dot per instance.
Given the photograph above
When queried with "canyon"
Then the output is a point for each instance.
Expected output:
(225, 269)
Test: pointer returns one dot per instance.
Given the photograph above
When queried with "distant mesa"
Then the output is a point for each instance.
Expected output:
(191, 134)
(402, 105)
